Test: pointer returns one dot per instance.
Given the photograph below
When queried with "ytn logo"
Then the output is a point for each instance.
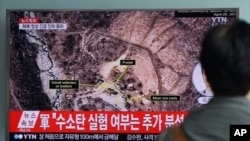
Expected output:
(24, 136)
(18, 136)
(219, 20)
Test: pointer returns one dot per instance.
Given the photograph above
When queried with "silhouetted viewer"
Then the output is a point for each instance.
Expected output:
(225, 58)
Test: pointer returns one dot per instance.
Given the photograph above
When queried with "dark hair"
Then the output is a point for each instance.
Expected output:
(225, 57)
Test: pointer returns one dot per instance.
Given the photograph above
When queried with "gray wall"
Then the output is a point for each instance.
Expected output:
(96, 4)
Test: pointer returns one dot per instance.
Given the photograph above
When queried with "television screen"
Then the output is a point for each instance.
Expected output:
(104, 75)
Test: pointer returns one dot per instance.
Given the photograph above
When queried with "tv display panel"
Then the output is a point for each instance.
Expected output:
(104, 75)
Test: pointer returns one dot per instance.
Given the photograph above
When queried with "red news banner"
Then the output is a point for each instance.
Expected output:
(89, 122)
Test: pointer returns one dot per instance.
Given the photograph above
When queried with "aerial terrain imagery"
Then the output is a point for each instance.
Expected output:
(104, 60)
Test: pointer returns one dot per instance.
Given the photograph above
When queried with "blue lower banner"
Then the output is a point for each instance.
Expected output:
(80, 136)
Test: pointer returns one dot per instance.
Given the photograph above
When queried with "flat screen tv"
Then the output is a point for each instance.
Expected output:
(104, 75)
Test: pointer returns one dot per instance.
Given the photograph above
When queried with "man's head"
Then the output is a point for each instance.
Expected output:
(225, 58)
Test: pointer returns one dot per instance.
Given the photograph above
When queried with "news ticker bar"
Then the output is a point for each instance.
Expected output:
(239, 132)
(19, 136)
(206, 13)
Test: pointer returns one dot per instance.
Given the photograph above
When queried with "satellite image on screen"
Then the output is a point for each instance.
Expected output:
(106, 60)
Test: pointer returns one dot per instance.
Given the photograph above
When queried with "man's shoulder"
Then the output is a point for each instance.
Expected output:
(213, 119)
(221, 106)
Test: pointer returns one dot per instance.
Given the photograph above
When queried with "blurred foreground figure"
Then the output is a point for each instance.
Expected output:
(225, 59)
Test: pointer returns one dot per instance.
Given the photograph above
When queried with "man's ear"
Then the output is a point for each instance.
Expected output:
(248, 95)
(208, 87)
